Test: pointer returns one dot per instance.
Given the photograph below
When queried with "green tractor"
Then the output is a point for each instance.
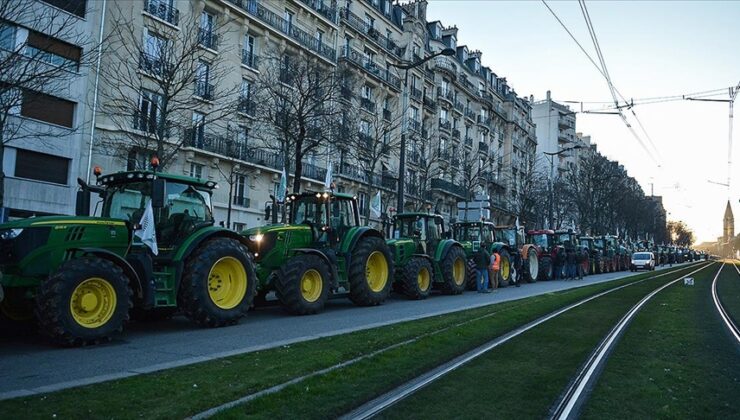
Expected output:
(595, 262)
(82, 277)
(321, 250)
(473, 235)
(425, 257)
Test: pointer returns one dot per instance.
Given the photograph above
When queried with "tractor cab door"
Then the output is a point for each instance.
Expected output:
(433, 228)
(185, 209)
(311, 212)
(341, 219)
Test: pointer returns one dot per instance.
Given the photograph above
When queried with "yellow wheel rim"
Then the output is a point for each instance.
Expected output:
(376, 271)
(227, 283)
(458, 271)
(93, 302)
(505, 268)
(424, 279)
(311, 285)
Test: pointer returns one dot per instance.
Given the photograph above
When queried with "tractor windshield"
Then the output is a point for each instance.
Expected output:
(507, 236)
(309, 211)
(540, 240)
(128, 202)
(410, 227)
(599, 243)
(467, 233)
(585, 243)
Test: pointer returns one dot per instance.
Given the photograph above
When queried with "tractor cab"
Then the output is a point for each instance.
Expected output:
(475, 233)
(543, 239)
(181, 205)
(329, 215)
(427, 229)
(509, 235)
(566, 239)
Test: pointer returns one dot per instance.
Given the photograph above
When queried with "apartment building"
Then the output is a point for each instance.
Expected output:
(459, 118)
(556, 131)
(44, 81)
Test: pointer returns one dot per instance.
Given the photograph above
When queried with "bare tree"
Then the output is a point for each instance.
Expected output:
(42, 52)
(236, 149)
(427, 167)
(167, 90)
(297, 108)
(528, 196)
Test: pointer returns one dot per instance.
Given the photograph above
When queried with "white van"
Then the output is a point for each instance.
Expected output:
(642, 260)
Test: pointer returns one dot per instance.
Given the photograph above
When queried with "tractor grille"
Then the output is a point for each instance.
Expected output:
(74, 233)
(12, 251)
(259, 249)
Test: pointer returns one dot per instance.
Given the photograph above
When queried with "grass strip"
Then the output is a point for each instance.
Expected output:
(728, 289)
(676, 360)
(523, 377)
(191, 389)
(339, 391)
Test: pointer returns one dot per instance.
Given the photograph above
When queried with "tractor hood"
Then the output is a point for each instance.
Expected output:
(269, 242)
(47, 221)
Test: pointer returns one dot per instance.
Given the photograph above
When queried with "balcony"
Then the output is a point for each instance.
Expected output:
(429, 103)
(470, 114)
(287, 28)
(319, 7)
(482, 147)
(358, 174)
(449, 188)
(486, 121)
(414, 125)
(387, 115)
(249, 59)
(444, 124)
(364, 62)
(469, 142)
(155, 66)
(367, 104)
(163, 10)
(208, 39)
(459, 107)
(360, 25)
(446, 65)
(246, 106)
(415, 94)
(429, 74)
(445, 94)
(204, 90)
(455, 133)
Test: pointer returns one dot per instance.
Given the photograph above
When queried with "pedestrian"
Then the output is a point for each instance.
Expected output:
(581, 259)
(560, 261)
(481, 264)
(570, 264)
(495, 269)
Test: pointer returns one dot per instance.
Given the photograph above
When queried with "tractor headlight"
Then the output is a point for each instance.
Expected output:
(8, 234)
(256, 238)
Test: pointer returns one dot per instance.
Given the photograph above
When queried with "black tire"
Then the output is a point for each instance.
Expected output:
(411, 278)
(472, 273)
(545, 268)
(531, 256)
(360, 291)
(289, 284)
(504, 256)
(53, 307)
(450, 285)
(195, 298)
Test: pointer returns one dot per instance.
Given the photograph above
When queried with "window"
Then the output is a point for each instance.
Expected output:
(320, 36)
(196, 170)
(414, 113)
(364, 127)
(443, 114)
(53, 51)
(202, 77)
(387, 7)
(245, 98)
(242, 141)
(241, 191)
(248, 54)
(367, 92)
(362, 201)
(154, 54)
(76, 7)
(7, 36)
(41, 167)
(288, 19)
(238, 227)
(206, 37)
(198, 130)
(369, 21)
(47, 108)
(148, 115)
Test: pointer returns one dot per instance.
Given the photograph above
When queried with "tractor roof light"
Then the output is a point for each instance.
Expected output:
(97, 171)
(326, 195)
(155, 162)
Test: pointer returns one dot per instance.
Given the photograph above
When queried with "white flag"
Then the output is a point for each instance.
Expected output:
(282, 188)
(327, 181)
(375, 205)
(146, 231)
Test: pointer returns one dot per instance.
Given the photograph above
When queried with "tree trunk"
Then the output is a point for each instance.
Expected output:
(2, 174)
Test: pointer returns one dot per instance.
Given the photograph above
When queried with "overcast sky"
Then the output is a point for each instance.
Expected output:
(652, 49)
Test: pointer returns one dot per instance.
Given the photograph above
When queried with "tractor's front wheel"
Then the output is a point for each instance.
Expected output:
(505, 269)
(370, 272)
(85, 302)
(218, 284)
(416, 278)
(303, 284)
(545, 268)
(454, 268)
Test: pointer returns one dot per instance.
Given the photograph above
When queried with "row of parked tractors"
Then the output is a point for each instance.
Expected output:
(82, 278)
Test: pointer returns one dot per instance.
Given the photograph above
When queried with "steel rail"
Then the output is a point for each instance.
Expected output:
(726, 318)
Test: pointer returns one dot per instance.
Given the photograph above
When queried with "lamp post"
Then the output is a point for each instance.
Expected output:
(551, 156)
(404, 123)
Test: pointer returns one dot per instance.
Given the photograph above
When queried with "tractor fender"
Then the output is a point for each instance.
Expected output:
(525, 250)
(444, 248)
(425, 256)
(332, 264)
(354, 235)
(117, 260)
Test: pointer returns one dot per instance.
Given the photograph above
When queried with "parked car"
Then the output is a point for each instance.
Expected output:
(642, 260)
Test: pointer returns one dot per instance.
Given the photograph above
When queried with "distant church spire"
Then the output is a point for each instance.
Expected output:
(729, 224)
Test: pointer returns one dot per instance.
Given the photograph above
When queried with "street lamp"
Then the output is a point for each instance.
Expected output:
(552, 170)
(405, 103)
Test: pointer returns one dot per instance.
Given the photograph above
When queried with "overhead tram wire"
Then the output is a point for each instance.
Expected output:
(634, 133)
(612, 89)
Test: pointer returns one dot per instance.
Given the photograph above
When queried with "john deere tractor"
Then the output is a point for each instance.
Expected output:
(321, 250)
(81, 277)
(425, 257)
(473, 235)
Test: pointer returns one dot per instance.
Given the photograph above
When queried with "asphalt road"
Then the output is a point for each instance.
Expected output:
(29, 365)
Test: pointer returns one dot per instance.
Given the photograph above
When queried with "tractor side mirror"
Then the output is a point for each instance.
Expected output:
(82, 205)
(159, 191)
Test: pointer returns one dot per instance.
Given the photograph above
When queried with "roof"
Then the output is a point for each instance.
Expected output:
(418, 214)
(728, 211)
(135, 176)
(313, 194)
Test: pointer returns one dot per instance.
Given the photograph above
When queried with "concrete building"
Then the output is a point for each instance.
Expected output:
(458, 110)
(556, 130)
(47, 128)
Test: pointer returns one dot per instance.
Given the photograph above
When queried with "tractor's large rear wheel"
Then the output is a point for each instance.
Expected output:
(370, 272)
(505, 268)
(545, 268)
(472, 273)
(218, 284)
(416, 278)
(454, 268)
(532, 265)
(303, 284)
(85, 302)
